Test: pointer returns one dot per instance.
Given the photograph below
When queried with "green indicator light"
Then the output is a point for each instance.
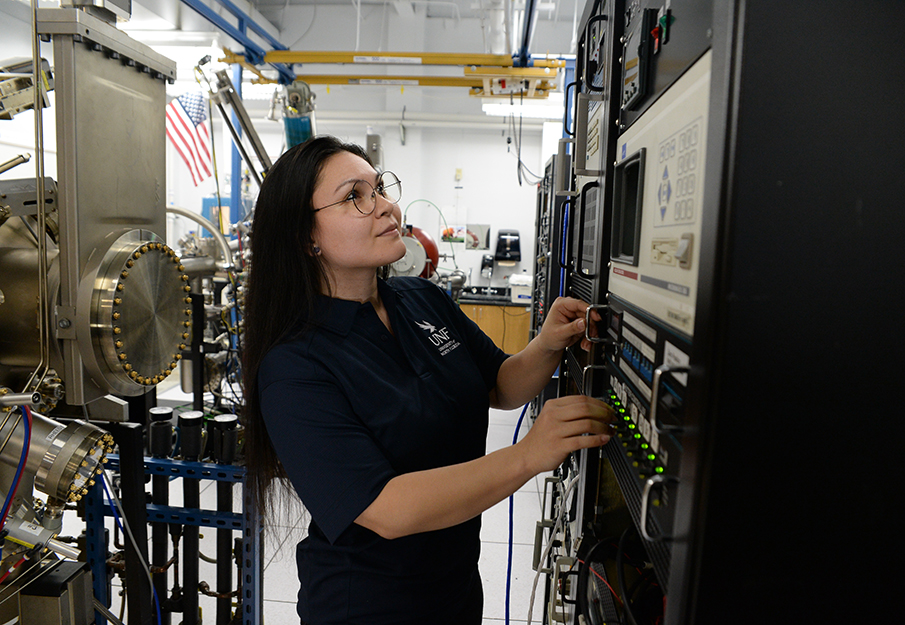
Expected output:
(637, 434)
(631, 426)
(645, 446)
(659, 469)
(626, 418)
(651, 456)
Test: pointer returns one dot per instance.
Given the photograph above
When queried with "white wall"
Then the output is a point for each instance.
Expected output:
(488, 193)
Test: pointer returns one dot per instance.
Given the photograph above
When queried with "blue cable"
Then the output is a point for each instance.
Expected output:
(562, 246)
(518, 426)
(123, 530)
(26, 443)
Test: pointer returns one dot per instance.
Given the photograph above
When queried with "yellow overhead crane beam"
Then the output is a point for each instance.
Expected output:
(478, 86)
(485, 74)
(533, 78)
(400, 58)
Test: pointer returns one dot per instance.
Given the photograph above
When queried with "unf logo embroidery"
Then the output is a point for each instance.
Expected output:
(441, 338)
(424, 325)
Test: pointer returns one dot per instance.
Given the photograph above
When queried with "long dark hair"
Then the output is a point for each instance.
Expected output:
(285, 278)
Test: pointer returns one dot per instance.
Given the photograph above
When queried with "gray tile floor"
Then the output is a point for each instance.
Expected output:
(280, 580)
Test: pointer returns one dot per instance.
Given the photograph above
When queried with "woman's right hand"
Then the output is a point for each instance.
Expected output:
(565, 425)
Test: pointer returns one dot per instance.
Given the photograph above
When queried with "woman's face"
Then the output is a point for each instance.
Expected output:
(353, 244)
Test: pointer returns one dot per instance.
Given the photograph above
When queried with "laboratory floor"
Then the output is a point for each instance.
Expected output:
(281, 582)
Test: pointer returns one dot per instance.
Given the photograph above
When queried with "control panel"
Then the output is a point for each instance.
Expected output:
(659, 177)
(662, 39)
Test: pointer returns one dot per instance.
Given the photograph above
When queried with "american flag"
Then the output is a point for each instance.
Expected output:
(188, 131)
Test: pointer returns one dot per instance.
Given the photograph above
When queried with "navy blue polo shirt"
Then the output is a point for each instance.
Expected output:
(348, 406)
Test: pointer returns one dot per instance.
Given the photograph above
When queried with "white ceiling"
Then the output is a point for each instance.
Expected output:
(470, 18)
(448, 26)
(275, 11)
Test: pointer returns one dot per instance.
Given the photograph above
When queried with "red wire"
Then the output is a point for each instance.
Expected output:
(601, 578)
(11, 569)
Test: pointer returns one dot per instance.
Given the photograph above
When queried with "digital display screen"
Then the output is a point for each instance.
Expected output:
(628, 196)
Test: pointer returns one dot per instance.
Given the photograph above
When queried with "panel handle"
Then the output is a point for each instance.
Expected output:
(587, 324)
(655, 398)
(649, 484)
(585, 382)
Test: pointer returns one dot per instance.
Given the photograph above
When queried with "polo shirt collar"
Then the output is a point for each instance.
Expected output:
(338, 315)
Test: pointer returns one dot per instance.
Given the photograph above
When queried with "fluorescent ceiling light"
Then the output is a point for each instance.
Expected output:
(549, 108)
(258, 91)
(154, 37)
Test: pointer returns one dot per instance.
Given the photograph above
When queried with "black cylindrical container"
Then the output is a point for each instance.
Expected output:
(226, 438)
(160, 432)
(190, 433)
(160, 445)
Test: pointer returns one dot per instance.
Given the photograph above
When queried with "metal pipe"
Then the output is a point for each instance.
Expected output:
(197, 353)
(62, 549)
(43, 323)
(100, 607)
(22, 158)
(528, 31)
(225, 441)
(235, 183)
(17, 399)
(132, 474)
(160, 435)
(209, 226)
(507, 25)
(190, 429)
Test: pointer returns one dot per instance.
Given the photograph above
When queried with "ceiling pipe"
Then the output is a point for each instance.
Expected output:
(527, 32)
(507, 25)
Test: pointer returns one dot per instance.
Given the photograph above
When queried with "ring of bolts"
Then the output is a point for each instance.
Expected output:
(140, 377)
(103, 446)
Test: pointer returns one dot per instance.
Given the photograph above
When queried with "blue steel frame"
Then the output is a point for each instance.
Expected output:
(522, 59)
(248, 523)
(253, 52)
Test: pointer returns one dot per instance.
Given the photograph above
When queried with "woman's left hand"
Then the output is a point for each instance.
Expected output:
(565, 324)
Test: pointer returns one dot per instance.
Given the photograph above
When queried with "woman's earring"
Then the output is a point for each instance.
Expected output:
(317, 251)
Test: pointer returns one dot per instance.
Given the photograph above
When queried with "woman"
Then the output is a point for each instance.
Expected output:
(371, 398)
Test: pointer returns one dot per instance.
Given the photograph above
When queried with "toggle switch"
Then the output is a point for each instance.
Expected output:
(683, 254)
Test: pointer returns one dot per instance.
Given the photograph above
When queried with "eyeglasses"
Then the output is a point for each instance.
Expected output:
(364, 197)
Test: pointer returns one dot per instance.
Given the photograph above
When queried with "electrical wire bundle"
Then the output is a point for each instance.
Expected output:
(636, 599)
(120, 518)
(11, 495)
(522, 170)
(557, 527)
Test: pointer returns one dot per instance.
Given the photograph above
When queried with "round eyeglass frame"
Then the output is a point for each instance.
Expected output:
(394, 196)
